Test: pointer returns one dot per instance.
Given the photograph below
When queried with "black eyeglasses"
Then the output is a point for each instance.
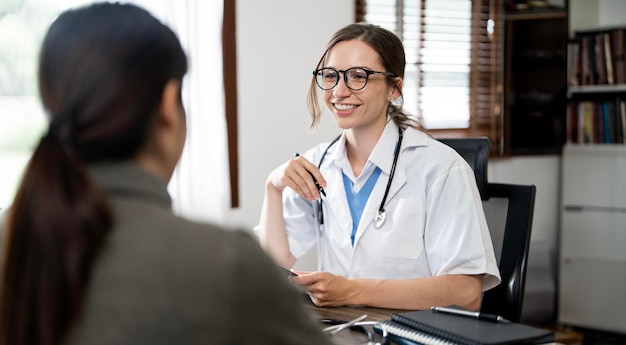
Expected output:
(355, 78)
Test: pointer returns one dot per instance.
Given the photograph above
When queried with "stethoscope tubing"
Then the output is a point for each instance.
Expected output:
(381, 208)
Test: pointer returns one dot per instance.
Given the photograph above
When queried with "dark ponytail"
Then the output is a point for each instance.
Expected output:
(102, 71)
(57, 223)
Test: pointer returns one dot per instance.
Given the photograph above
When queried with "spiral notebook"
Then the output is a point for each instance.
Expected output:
(429, 327)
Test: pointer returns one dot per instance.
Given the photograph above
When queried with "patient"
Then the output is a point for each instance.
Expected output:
(92, 253)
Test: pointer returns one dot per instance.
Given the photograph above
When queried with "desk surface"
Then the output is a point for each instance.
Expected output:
(349, 313)
(349, 337)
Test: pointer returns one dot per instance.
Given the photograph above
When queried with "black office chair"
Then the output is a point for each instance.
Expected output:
(509, 211)
(475, 150)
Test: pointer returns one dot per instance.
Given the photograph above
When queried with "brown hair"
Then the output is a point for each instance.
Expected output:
(102, 71)
(391, 52)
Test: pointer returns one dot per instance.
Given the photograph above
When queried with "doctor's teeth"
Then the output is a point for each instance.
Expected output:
(344, 106)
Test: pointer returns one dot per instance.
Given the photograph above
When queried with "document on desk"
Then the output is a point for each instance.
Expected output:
(431, 327)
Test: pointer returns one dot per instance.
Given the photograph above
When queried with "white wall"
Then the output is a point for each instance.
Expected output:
(278, 45)
(543, 172)
(541, 274)
(590, 14)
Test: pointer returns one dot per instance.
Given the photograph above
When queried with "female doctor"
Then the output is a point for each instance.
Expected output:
(395, 214)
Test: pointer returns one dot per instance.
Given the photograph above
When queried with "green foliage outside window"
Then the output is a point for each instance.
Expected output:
(22, 121)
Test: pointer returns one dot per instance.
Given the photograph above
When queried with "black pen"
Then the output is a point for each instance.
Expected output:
(474, 314)
(317, 184)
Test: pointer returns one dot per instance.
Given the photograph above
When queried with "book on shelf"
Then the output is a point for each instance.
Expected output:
(600, 62)
(571, 123)
(573, 65)
(608, 58)
(618, 56)
(597, 57)
(596, 122)
(586, 77)
(431, 327)
(616, 122)
(586, 122)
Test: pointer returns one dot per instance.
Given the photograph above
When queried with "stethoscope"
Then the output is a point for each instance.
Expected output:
(381, 215)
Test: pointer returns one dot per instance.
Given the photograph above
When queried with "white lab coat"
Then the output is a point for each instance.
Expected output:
(434, 225)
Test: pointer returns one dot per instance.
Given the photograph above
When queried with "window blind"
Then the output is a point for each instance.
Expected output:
(453, 76)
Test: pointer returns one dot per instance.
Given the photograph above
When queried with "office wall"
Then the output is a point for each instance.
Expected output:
(278, 44)
(590, 14)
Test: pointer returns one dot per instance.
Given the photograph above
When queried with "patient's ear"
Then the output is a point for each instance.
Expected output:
(171, 127)
(170, 107)
(163, 148)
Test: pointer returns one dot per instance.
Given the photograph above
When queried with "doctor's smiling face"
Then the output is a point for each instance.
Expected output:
(364, 109)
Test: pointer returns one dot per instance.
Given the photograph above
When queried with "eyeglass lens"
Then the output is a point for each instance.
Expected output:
(355, 78)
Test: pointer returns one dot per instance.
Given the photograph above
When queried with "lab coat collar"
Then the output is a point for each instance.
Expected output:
(383, 153)
(412, 138)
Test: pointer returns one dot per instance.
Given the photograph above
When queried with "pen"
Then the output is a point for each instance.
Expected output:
(317, 184)
(474, 314)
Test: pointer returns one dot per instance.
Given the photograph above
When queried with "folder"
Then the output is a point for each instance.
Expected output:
(430, 327)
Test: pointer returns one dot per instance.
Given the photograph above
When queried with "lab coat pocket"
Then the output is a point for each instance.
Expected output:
(403, 236)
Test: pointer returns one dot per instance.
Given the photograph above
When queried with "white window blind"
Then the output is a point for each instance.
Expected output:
(437, 40)
(453, 50)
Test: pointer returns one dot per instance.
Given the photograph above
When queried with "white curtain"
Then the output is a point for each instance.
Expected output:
(200, 186)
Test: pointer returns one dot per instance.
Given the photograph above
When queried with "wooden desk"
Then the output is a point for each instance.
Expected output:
(349, 313)
(348, 337)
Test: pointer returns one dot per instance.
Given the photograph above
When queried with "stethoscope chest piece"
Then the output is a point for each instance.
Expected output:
(381, 216)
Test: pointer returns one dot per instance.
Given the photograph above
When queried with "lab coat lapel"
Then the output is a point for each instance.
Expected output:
(336, 202)
(383, 157)
(371, 207)
(399, 179)
(412, 139)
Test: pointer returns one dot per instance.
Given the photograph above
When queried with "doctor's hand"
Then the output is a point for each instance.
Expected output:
(300, 175)
(326, 289)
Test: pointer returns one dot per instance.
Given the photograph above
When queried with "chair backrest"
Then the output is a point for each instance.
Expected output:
(475, 150)
(509, 212)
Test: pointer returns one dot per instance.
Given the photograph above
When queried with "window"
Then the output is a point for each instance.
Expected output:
(200, 185)
(22, 25)
(453, 72)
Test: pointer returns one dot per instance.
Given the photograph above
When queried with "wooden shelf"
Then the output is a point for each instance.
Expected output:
(596, 89)
(535, 81)
(536, 14)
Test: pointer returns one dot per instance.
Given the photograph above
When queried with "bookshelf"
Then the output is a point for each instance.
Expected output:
(596, 109)
(592, 261)
(535, 80)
